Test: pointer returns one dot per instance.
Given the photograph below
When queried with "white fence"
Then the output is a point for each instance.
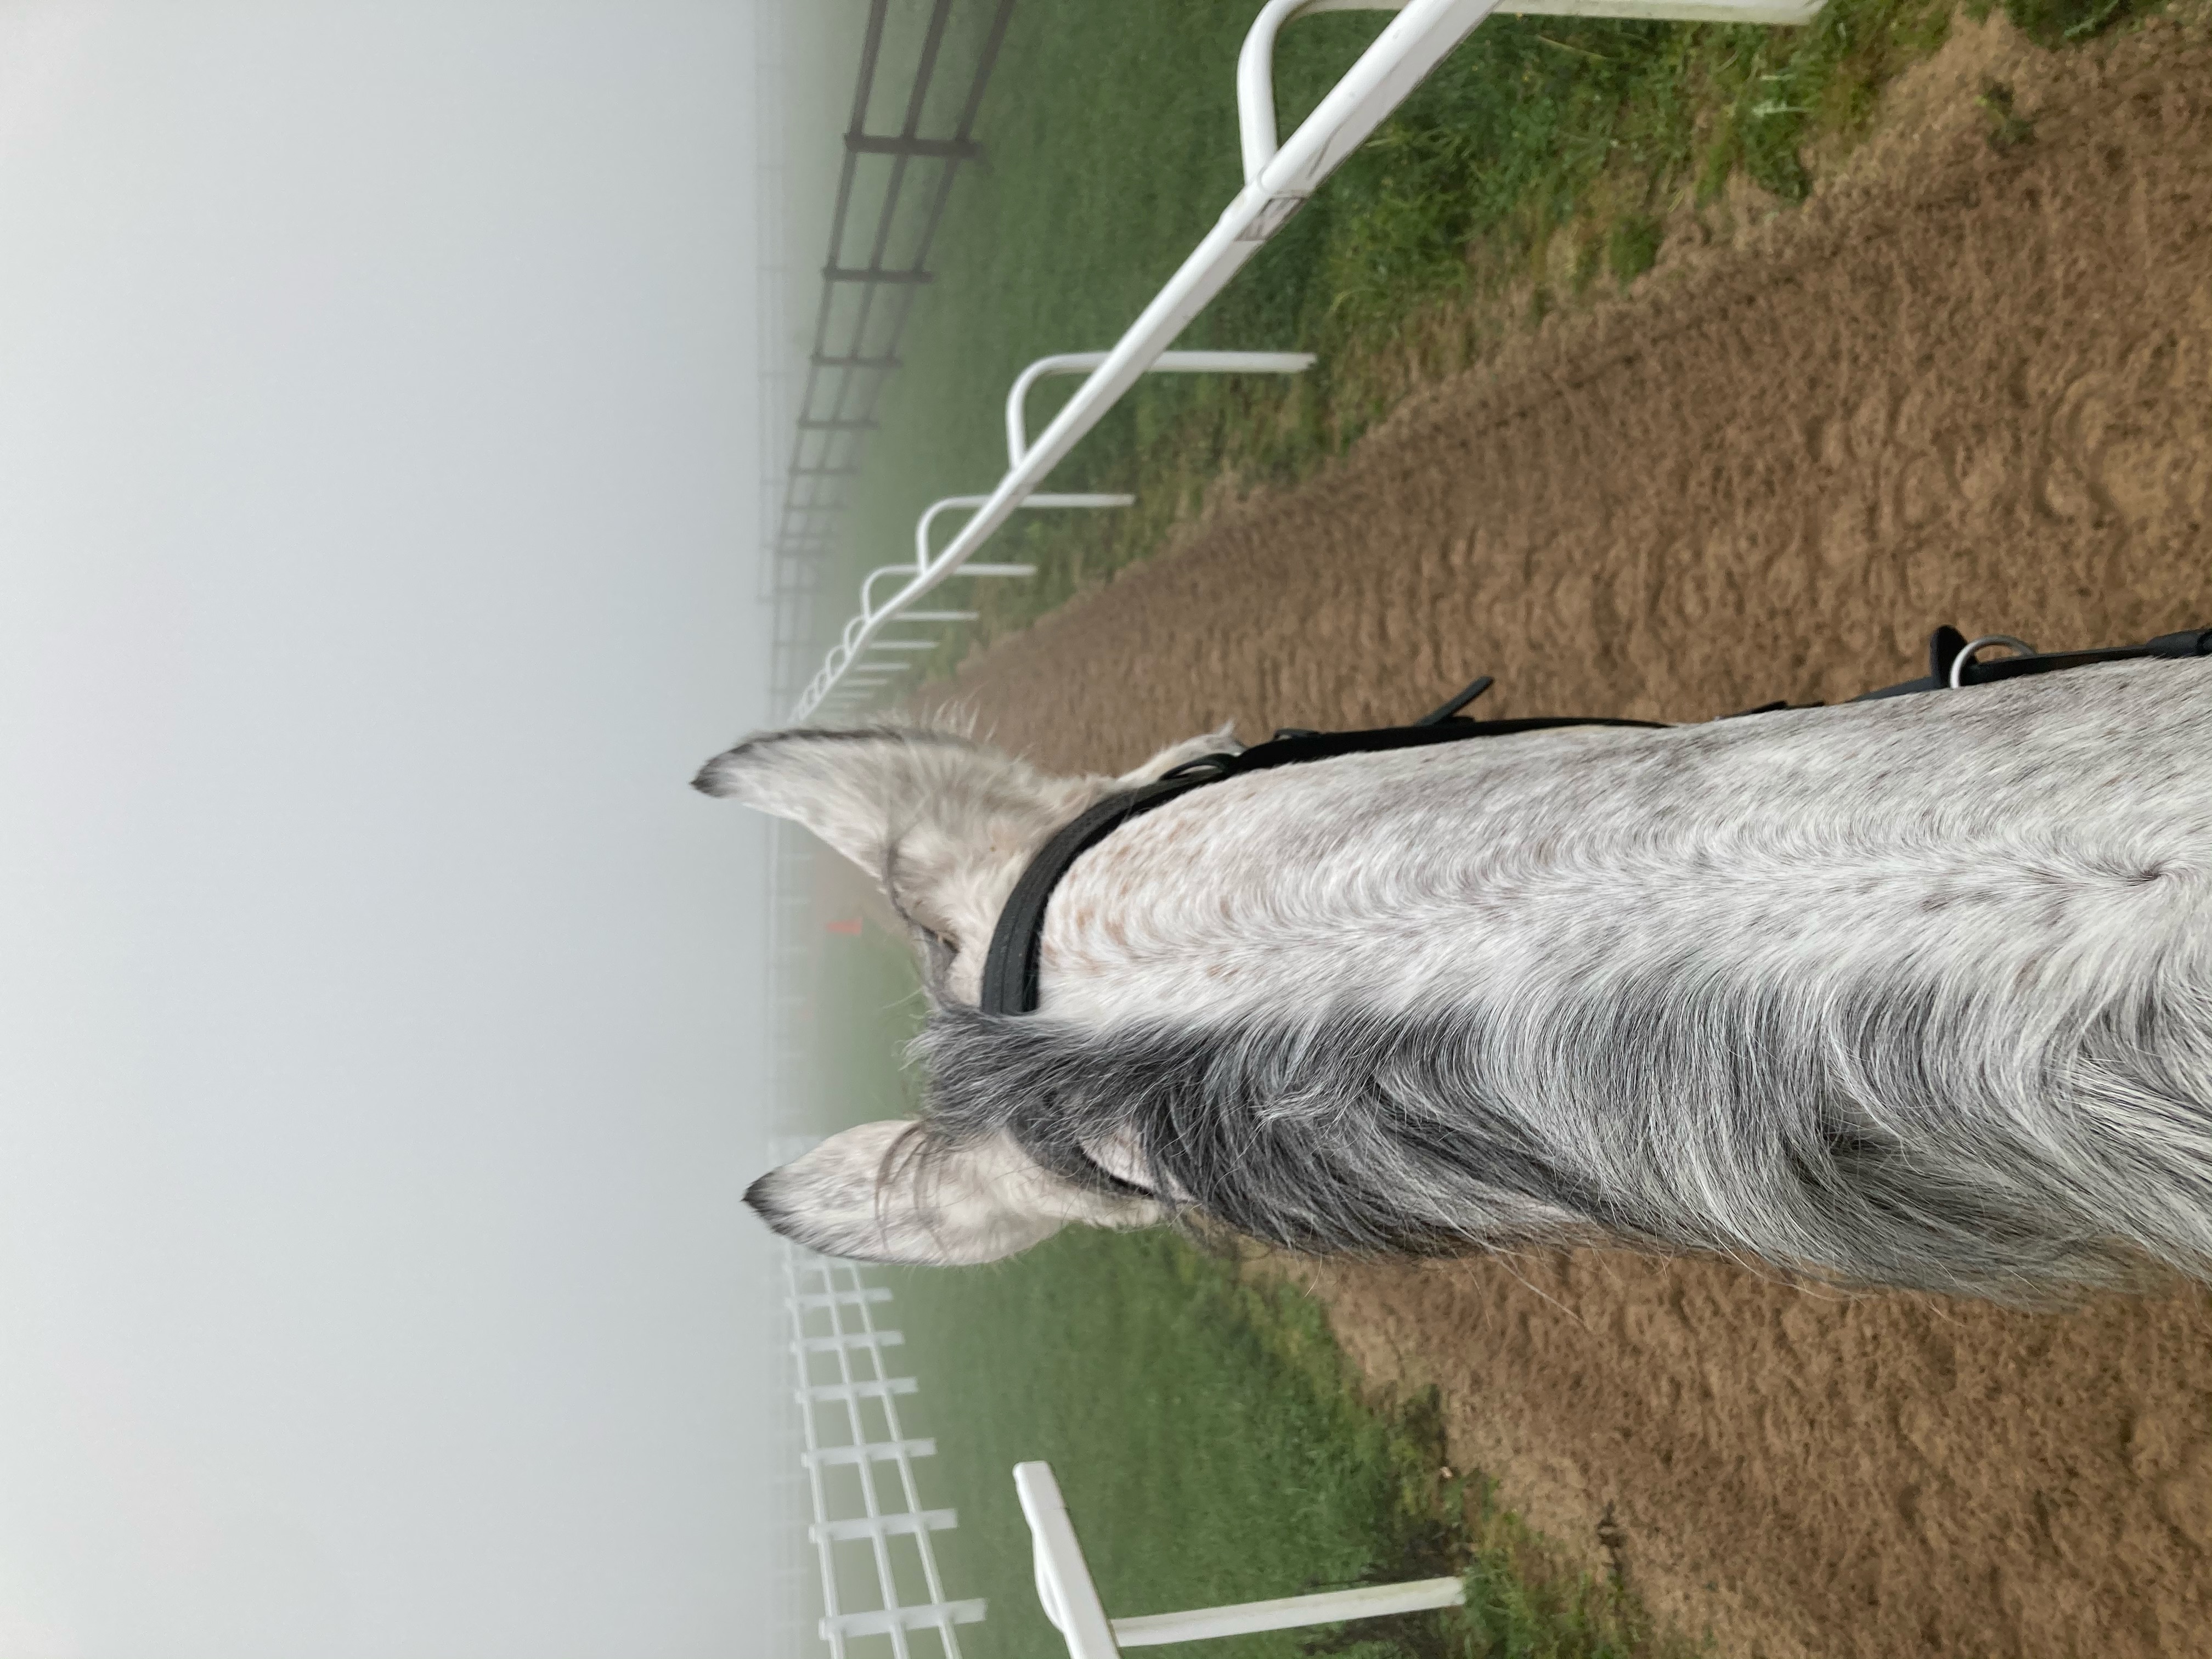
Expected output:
(1070, 1598)
(869, 1522)
(1278, 178)
(892, 189)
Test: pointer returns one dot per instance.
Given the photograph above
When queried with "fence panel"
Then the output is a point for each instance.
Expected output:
(869, 1531)
(892, 188)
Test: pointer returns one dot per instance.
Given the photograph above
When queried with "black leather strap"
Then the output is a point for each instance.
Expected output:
(1947, 642)
(1010, 970)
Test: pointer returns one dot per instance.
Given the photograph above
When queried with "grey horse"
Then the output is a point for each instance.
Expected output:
(1913, 993)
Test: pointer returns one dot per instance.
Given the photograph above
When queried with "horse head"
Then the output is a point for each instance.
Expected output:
(944, 825)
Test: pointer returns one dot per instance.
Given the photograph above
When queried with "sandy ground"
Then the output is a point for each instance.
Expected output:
(1962, 384)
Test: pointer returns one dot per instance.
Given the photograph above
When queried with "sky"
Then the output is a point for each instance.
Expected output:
(381, 1055)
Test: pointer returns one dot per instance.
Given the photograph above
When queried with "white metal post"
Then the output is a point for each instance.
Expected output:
(1255, 62)
(1071, 1599)
(952, 503)
(1290, 1612)
(922, 529)
(1167, 362)
(1779, 13)
(1063, 1577)
(853, 645)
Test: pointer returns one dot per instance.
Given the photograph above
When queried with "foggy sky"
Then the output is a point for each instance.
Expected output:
(378, 1060)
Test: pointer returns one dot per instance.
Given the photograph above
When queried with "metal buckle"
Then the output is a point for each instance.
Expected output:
(1960, 663)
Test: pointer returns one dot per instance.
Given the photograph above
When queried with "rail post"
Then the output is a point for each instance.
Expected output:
(1167, 362)
(1071, 1600)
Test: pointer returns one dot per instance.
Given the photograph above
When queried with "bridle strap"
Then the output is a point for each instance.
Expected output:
(1010, 970)
(1947, 645)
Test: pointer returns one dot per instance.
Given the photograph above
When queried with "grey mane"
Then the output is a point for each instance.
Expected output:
(1856, 1142)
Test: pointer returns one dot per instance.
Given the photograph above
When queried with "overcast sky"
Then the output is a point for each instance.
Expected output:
(378, 1060)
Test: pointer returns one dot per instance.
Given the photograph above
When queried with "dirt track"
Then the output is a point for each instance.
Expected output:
(1962, 384)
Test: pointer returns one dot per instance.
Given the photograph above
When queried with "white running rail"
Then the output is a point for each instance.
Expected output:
(852, 677)
(848, 1413)
(1278, 178)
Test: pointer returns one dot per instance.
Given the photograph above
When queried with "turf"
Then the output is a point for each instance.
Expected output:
(1209, 1441)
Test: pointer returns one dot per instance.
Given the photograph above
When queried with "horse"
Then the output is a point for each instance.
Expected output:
(1910, 992)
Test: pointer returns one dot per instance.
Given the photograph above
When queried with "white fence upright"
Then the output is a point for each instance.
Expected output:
(853, 675)
(1071, 1600)
(1411, 46)
(846, 670)
(851, 1436)
(1167, 362)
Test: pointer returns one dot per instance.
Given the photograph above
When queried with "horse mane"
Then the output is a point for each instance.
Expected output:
(1746, 1126)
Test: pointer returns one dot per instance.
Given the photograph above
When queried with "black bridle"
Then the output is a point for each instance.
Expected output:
(1010, 970)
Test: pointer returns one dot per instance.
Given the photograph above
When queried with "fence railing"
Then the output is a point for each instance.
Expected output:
(1279, 177)
(869, 1522)
(1278, 180)
(859, 639)
(877, 264)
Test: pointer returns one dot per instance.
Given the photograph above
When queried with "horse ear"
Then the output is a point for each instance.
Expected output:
(853, 789)
(883, 1192)
(1220, 742)
(942, 822)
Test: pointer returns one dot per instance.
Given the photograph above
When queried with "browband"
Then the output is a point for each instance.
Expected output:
(1010, 969)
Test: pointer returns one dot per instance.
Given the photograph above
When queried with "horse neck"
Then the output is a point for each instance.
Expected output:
(2048, 821)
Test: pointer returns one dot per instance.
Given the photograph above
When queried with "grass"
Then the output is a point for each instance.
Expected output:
(1522, 1603)
(1547, 158)
(1214, 1443)
(1215, 1446)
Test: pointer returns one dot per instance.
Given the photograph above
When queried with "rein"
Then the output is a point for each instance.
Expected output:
(1010, 969)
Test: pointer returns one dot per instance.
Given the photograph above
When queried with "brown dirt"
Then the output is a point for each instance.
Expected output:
(1963, 384)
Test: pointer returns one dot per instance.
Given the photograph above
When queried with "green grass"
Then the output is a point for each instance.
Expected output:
(867, 1004)
(1547, 158)
(1522, 1604)
(1214, 1444)
(1210, 1443)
